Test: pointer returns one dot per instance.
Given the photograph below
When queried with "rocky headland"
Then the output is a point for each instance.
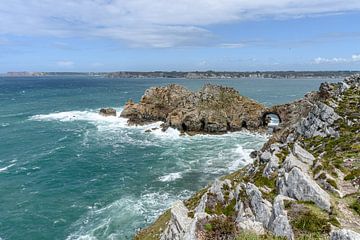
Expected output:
(303, 184)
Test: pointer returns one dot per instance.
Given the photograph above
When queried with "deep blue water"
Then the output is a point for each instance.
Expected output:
(68, 173)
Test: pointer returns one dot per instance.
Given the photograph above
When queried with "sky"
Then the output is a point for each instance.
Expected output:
(179, 35)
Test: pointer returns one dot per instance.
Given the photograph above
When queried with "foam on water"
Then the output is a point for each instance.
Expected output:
(170, 177)
(7, 167)
(114, 220)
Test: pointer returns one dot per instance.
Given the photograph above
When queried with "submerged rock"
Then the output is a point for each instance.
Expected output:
(108, 112)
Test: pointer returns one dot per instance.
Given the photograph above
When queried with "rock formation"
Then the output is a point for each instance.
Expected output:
(107, 112)
(303, 184)
(213, 109)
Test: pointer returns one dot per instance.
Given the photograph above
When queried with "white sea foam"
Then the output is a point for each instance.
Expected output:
(242, 157)
(170, 177)
(7, 167)
(114, 220)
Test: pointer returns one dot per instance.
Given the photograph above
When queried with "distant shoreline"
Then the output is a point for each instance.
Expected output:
(191, 75)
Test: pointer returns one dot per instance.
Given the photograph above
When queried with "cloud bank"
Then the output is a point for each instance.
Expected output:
(148, 23)
(352, 59)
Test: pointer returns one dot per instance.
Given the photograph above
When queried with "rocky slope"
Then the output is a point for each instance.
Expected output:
(303, 184)
(213, 109)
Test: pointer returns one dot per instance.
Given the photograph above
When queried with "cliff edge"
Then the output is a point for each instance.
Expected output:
(303, 184)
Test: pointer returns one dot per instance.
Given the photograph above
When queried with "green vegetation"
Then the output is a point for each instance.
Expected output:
(154, 230)
(355, 205)
(220, 228)
(247, 235)
(336, 150)
(308, 219)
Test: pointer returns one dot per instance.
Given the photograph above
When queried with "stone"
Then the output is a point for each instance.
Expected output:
(260, 207)
(291, 161)
(318, 122)
(265, 156)
(279, 224)
(271, 167)
(303, 155)
(179, 222)
(299, 185)
(108, 112)
(344, 234)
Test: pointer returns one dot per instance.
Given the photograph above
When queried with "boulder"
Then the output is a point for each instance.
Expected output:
(108, 112)
(179, 223)
(303, 155)
(299, 185)
(344, 234)
(279, 224)
(260, 207)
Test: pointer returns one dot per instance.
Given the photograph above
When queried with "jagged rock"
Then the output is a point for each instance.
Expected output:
(303, 155)
(179, 222)
(260, 207)
(245, 219)
(108, 112)
(279, 223)
(291, 161)
(265, 156)
(271, 167)
(217, 187)
(299, 185)
(213, 109)
(318, 122)
(344, 234)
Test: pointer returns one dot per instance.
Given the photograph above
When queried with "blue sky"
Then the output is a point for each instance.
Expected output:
(183, 35)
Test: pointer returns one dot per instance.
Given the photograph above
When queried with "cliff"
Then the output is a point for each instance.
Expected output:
(303, 184)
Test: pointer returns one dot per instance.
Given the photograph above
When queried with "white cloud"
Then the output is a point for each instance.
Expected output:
(160, 23)
(232, 45)
(65, 63)
(353, 58)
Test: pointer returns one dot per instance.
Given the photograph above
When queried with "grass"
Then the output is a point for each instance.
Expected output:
(355, 205)
(307, 219)
(247, 235)
(154, 230)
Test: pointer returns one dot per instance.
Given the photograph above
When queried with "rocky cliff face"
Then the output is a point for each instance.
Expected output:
(303, 184)
(213, 109)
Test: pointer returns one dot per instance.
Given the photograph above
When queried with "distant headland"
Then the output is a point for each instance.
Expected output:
(192, 74)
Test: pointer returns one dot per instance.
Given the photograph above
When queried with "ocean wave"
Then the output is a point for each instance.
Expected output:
(114, 220)
(242, 158)
(170, 177)
(7, 167)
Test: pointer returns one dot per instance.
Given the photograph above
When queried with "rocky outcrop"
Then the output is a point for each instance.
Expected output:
(107, 112)
(213, 109)
(300, 186)
(285, 192)
(344, 234)
(179, 223)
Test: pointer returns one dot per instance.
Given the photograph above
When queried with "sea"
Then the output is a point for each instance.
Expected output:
(68, 173)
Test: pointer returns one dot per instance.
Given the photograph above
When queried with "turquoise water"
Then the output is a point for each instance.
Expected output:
(68, 173)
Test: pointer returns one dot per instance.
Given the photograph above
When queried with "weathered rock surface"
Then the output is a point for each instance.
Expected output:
(279, 223)
(318, 122)
(260, 206)
(179, 222)
(108, 112)
(301, 186)
(344, 234)
(213, 109)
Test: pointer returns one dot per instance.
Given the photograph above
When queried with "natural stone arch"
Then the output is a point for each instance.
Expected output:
(266, 114)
